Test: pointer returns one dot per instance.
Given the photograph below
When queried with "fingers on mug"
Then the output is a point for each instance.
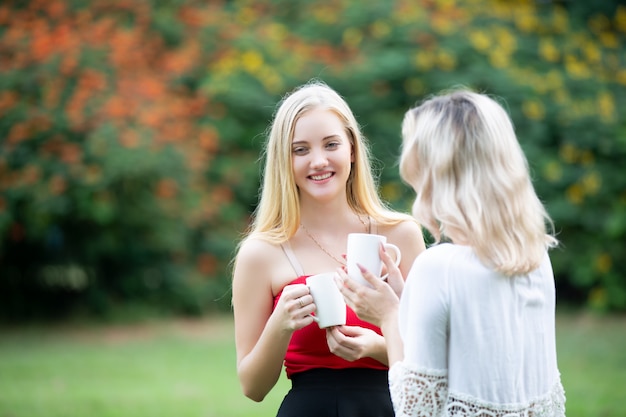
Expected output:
(363, 249)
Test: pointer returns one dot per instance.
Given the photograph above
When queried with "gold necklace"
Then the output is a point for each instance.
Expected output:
(322, 248)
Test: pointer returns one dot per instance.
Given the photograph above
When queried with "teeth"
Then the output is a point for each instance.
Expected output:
(321, 177)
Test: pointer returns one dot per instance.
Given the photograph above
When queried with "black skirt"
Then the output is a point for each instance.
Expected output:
(338, 393)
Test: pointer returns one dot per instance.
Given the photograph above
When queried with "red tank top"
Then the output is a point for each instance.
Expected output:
(308, 349)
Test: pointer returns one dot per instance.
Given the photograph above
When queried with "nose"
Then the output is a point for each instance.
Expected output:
(318, 160)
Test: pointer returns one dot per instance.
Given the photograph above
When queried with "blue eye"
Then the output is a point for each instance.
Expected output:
(300, 150)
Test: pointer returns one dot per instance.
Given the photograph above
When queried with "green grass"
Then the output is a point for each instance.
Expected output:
(592, 361)
(156, 369)
(187, 368)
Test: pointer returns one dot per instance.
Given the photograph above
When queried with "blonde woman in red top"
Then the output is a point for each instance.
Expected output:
(317, 188)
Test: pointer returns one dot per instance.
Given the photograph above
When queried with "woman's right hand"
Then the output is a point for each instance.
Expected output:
(372, 304)
(294, 307)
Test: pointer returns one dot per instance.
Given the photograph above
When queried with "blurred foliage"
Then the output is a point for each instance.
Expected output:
(131, 130)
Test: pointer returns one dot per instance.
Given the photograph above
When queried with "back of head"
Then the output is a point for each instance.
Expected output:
(462, 157)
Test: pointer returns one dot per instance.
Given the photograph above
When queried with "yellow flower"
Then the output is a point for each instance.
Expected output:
(591, 183)
(606, 107)
(506, 40)
(277, 31)
(576, 68)
(553, 171)
(587, 158)
(575, 194)
(271, 80)
(499, 59)
(533, 109)
(609, 39)
(227, 64)
(380, 29)
(598, 298)
(620, 77)
(560, 21)
(352, 37)
(554, 79)
(599, 23)
(620, 18)
(526, 20)
(569, 153)
(390, 191)
(446, 61)
(592, 52)
(424, 60)
(604, 263)
(480, 40)
(548, 51)
(561, 96)
(443, 25)
(326, 14)
(247, 15)
(251, 61)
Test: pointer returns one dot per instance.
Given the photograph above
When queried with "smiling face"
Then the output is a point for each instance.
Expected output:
(322, 155)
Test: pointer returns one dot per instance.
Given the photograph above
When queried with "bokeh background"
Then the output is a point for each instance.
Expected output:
(131, 131)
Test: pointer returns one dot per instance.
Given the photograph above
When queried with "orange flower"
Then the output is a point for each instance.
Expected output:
(166, 188)
(7, 100)
(208, 139)
(71, 153)
(57, 185)
(206, 264)
(18, 133)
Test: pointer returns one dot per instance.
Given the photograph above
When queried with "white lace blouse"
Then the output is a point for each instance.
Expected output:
(476, 343)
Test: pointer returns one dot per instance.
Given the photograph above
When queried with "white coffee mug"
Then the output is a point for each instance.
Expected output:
(329, 302)
(363, 249)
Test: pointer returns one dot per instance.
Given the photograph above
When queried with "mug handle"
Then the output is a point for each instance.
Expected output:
(395, 249)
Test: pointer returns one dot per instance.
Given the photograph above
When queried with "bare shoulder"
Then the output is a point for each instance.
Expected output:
(407, 232)
(256, 254)
(261, 265)
(407, 235)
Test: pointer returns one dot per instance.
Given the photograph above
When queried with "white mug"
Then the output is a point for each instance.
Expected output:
(329, 302)
(363, 249)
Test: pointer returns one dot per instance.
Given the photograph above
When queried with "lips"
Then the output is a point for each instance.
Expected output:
(321, 177)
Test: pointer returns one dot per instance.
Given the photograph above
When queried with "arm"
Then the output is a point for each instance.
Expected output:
(378, 305)
(262, 334)
(353, 343)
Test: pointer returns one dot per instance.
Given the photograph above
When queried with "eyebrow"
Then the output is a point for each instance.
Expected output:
(334, 135)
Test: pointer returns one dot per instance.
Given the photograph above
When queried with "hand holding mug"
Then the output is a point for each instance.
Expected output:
(374, 301)
(363, 249)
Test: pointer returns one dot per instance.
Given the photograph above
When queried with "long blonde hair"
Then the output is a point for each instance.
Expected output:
(461, 156)
(277, 216)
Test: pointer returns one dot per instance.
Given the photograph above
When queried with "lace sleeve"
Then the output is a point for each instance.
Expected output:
(416, 391)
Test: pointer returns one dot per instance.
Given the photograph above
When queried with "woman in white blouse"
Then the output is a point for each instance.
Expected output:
(472, 332)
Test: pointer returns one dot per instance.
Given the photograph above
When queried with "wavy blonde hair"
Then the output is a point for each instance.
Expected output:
(277, 216)
(461, 156)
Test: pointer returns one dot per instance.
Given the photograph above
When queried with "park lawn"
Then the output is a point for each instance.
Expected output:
(177, 368)
(187, 368)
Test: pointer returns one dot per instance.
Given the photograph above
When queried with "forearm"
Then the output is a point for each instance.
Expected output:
(260, 369)
(379, 350)
(391, 332)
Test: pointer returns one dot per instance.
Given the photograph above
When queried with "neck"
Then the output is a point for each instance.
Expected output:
(327, 216)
